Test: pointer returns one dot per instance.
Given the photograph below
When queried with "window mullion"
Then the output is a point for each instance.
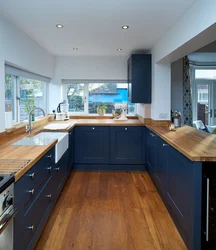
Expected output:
(18, 98)
(86, 102)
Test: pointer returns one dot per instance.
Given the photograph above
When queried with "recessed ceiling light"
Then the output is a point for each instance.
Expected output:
(75, 48)
(125, 27)
(59, 26)
(119, 49)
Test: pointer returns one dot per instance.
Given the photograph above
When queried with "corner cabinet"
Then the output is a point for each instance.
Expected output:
(139, 78)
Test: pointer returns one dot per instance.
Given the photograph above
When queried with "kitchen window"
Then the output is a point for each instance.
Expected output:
(85, 96)
(23, 91)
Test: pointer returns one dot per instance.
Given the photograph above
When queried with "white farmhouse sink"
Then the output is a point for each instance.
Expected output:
(62, 144)
(45, 138)
(56, 126)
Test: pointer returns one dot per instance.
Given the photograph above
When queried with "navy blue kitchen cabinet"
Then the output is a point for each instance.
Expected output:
(150, 151)
(139, 78)
(92, 145)
(127, 145)
(179, 182)
(36, 193)
(71, 149)
(160, 169)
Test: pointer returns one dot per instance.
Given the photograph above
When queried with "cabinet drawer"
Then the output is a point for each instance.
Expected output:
(35, 214)
(35, 176)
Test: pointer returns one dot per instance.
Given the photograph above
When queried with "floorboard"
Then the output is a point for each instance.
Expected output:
(110, 211)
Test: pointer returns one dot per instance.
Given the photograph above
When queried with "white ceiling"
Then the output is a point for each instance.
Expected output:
(94, 26)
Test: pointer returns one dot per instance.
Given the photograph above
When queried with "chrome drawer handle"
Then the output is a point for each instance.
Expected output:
(152, 135)
(49, 168)
(49, 196)
(31, 228)
(49, 156)
(126, 129)
(31, 191)
(32, 175)
(57, 169)
(165, 145)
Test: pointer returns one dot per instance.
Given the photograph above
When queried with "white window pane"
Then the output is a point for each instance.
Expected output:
(32, 94)
(205, 73)
(75, 96)
(10, 94)
(108, 94)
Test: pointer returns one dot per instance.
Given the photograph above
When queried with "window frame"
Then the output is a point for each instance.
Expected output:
(16, 100)
(86, 94)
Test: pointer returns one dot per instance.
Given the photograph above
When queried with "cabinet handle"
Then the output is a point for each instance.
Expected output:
(152, 135)
(165, 145)
(207, 210)
(49, 196)
(93, 128)
(49, 168)
(31, 228)
(57, 169)
(32, 175)
(49, 156)
(31, 191)
(126, 129)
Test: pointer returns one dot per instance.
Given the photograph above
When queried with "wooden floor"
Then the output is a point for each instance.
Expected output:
(110, 211)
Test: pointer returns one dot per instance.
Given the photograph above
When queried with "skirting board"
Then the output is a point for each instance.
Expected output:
(109, 167)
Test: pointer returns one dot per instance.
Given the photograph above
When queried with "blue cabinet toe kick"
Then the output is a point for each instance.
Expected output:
(109, 167)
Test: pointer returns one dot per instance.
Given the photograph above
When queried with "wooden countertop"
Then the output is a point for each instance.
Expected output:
(194, 144)
(31, 154)
(94, 122)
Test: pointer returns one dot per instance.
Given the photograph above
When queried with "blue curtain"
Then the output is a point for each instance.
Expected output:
(187, 94)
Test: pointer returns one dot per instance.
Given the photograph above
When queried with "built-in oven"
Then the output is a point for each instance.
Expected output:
(7, 212)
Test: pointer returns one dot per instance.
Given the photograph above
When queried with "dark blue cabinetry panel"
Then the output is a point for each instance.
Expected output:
(150, 151)
(126, 145)
(92, 145)
(71, 149)
(179, 181)
(37, 195)
(139, 78)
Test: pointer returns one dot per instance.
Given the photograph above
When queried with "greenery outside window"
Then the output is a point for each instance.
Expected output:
(23, 91)
(85, 96)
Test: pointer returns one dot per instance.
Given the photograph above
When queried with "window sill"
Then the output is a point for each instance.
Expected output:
(96, 116)
(38, 121)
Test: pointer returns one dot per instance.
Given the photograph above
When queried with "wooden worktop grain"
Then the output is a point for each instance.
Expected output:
(34, 153)
(196, 145)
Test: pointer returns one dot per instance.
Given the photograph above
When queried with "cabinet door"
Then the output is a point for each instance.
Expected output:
(150, 150)
(71, 149)
(160, 170)
(141, 78)
(126, 145)
(92, 145)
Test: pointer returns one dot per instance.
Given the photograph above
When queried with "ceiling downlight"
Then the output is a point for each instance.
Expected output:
(125, 27)
(59, 26)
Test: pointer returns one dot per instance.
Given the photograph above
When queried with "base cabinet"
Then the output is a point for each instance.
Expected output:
(35, 196)
(109, 148)
(179, 182)
(126, 145)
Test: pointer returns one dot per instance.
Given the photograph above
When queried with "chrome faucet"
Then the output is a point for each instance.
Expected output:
(29, 126)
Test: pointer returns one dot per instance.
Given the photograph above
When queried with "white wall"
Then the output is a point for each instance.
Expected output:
(194, 30)
(18, 49)
(85, 67)
(177, 85)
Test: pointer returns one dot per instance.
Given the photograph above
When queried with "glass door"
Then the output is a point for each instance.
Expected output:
(203, 105)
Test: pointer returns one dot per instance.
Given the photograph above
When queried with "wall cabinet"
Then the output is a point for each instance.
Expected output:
(139, 78)
(92, 145)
